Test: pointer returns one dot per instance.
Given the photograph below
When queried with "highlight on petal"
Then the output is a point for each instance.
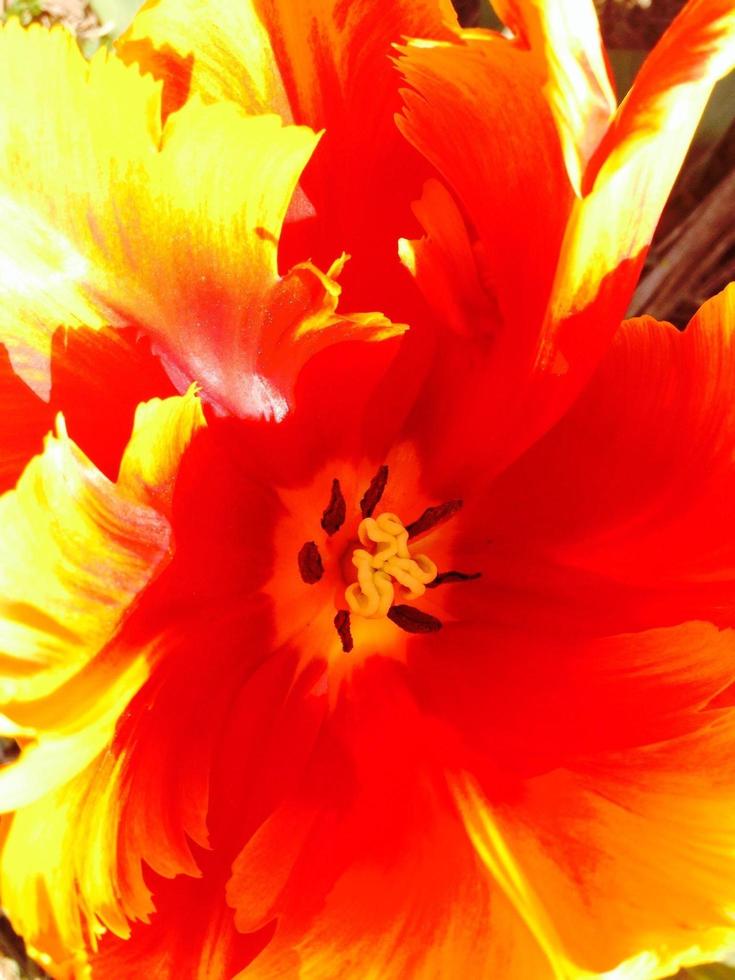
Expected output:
(173, 230)
(79, 550)
(566, 37)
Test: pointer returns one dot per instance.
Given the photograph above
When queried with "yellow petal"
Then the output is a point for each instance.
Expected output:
(42, 866)
(162, 431)
(56, 255)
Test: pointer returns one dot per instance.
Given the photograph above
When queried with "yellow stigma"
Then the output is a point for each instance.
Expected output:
(387, 566)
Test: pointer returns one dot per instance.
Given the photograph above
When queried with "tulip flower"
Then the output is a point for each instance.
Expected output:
(392, 644)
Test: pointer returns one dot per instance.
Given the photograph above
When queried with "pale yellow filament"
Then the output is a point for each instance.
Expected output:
(389, 562)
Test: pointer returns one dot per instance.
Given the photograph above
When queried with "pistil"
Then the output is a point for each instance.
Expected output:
(388, 565)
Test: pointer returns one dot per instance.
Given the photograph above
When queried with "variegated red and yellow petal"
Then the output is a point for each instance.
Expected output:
(630, 176)
(62, 894)
(313, 61)
(222, 53)
(174, 230)
(79, 550)
(569, 268)
(331, 64)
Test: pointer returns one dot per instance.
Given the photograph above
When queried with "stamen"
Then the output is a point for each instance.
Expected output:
(446, 578)
(342, 625)
(433, 516)
(374, 492)
(310, 563)
(413, 620)
(334, 516)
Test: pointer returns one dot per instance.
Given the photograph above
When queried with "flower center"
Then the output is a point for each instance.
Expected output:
(386, 566)
(389, 569)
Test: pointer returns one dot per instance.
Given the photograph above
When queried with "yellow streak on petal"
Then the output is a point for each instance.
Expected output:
(566, 37)
(487, 837)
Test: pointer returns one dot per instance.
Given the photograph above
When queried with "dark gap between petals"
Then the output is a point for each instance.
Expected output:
(310, 563)
(374, 492)
(334, 516)
(413, 620)
(9, 750)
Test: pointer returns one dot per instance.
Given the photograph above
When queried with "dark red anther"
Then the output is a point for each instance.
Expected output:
(310, 563)
(334, 516)
(446, 578)
(342, 625)
(413, 620)
(374, 492)
(433, 516)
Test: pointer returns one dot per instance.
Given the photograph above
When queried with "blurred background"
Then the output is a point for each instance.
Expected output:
(692, 257)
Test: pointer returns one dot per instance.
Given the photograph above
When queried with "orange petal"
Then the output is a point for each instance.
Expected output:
(635, 483)
(347, 864)
(624, 858)
(191, 934)
(541, 692)
(469, 110)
